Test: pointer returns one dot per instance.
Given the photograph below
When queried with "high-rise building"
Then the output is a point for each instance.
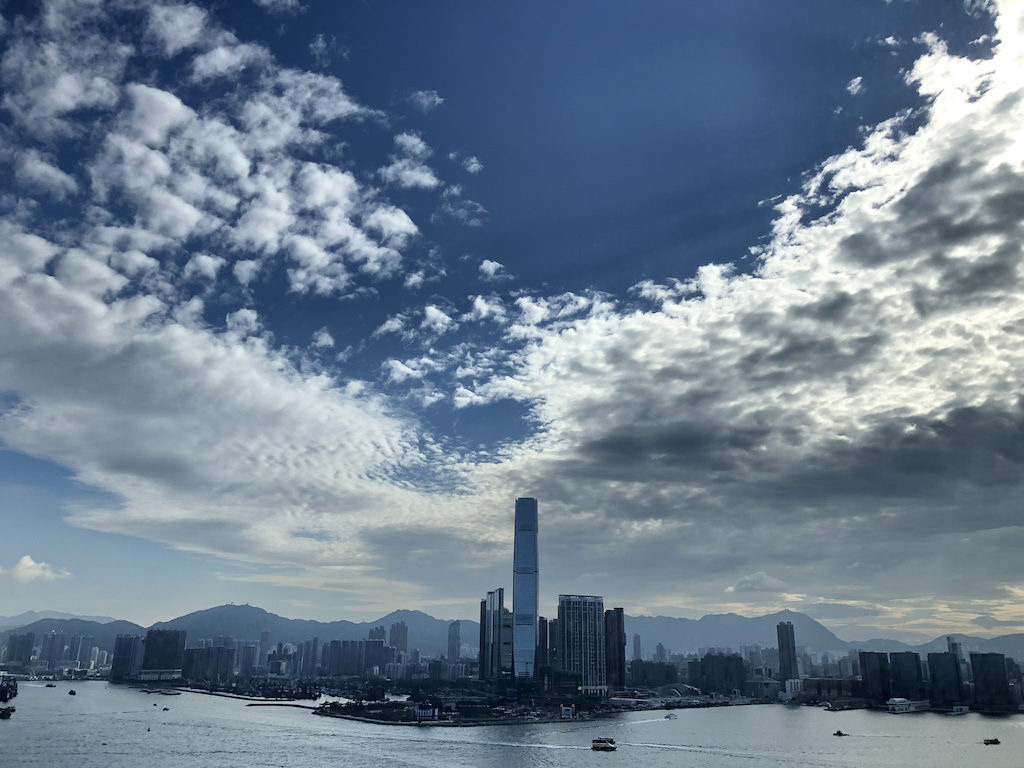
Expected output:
(164, 652)
(543, 644)
(399, 637)
(525, 588)
(992, 689)
(946, 683)
(264, 649)
(128, 654)
(788, 669)
(581, 646)
(379, 633)
(638, 651)
(905, 673)
(495, 636)
(19, 650)
(454, 642)
(876, 681)
(615, 648)
(52, 650)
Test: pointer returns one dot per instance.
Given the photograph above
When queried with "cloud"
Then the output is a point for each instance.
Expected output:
(472, 165)
(991, 622)
(39, 174)
(176, 27)
(319, 49)
(280, 7)
(27, 570)
(322, 339)
(407, 168)
(204, 265)
(493, 270)
(757, 582)
(856, 86)
(435, 320)
(838, 610)
(426, 101)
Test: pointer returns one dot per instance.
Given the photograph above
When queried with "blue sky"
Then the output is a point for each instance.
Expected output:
(298, 297)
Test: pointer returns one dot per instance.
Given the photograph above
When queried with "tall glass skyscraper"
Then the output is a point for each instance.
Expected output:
(525, 589)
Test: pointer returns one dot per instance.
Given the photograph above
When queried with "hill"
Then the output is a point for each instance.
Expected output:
(103, 634)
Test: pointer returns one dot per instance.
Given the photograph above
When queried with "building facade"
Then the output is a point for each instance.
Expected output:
(615, 648)
(454, 642)
(525, 589)
(581, 646)
(788, 669)
(495, 636)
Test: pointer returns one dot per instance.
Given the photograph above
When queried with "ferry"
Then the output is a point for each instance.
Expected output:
(899, 705)
(603, 745)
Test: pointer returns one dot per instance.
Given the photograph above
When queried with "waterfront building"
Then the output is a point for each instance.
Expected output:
(247, 654)
(454, 642)
(581, 646)
(992, 689)
(615, 648)
(212, 664)
(399, 637)
(876, 680)
(905, 675)
(495, 636)
(788, 669)
(722, 673)
(128, 655)
(525, 588)
(52, 651)
(637, 648)
(19, 650)
(264, 649)
(163, 654)
(378, 633)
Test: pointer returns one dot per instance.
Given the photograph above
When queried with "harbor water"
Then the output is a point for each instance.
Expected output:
(106, 726)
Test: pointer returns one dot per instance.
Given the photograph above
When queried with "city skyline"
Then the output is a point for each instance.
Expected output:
(295, 299)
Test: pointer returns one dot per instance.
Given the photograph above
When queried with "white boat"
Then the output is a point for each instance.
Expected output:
(603, 745)
(899, 705)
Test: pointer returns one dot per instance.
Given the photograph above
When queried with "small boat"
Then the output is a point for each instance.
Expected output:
(671, 716)
(603, 745)
(991, 741)
(840, 733)
(167, 709)
(51, 685)
(72, 692)
(6, 712)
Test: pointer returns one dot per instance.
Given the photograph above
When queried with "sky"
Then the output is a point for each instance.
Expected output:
(296, 298)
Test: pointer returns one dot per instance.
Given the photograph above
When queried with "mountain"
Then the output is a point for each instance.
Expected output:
(9, 622)
(103, 633)
(726, 630)
(247, 622)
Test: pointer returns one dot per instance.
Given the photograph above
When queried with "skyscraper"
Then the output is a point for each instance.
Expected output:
(525, 586)
(454, 642)
(615, 648)
(637, 647)
(495, 636)
(164, 652)
(581, 636)
(399, 637)
(787, 651)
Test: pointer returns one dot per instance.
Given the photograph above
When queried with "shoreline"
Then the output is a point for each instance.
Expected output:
(447, 723)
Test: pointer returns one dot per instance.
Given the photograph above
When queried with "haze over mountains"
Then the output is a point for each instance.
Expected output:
(430, 634)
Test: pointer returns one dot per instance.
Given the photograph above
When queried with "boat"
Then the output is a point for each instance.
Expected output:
(671, 716)
(51, 685)
(72, 692)
(991, 741)
(899, 705)
(840, 733)
(959, 709)
(6, 712)
(603, 745)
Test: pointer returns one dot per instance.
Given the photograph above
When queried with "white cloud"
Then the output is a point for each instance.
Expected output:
(435, 320)
(493, 270)
(27, 570)
(280, 6)
(856, 86)
(323, 339)
(37, 173)
(205, 265)
(319, 49)
(407, 168)
(176, 27)
(472, 164)
(228, 59)
(426, 101)
(757, 582)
